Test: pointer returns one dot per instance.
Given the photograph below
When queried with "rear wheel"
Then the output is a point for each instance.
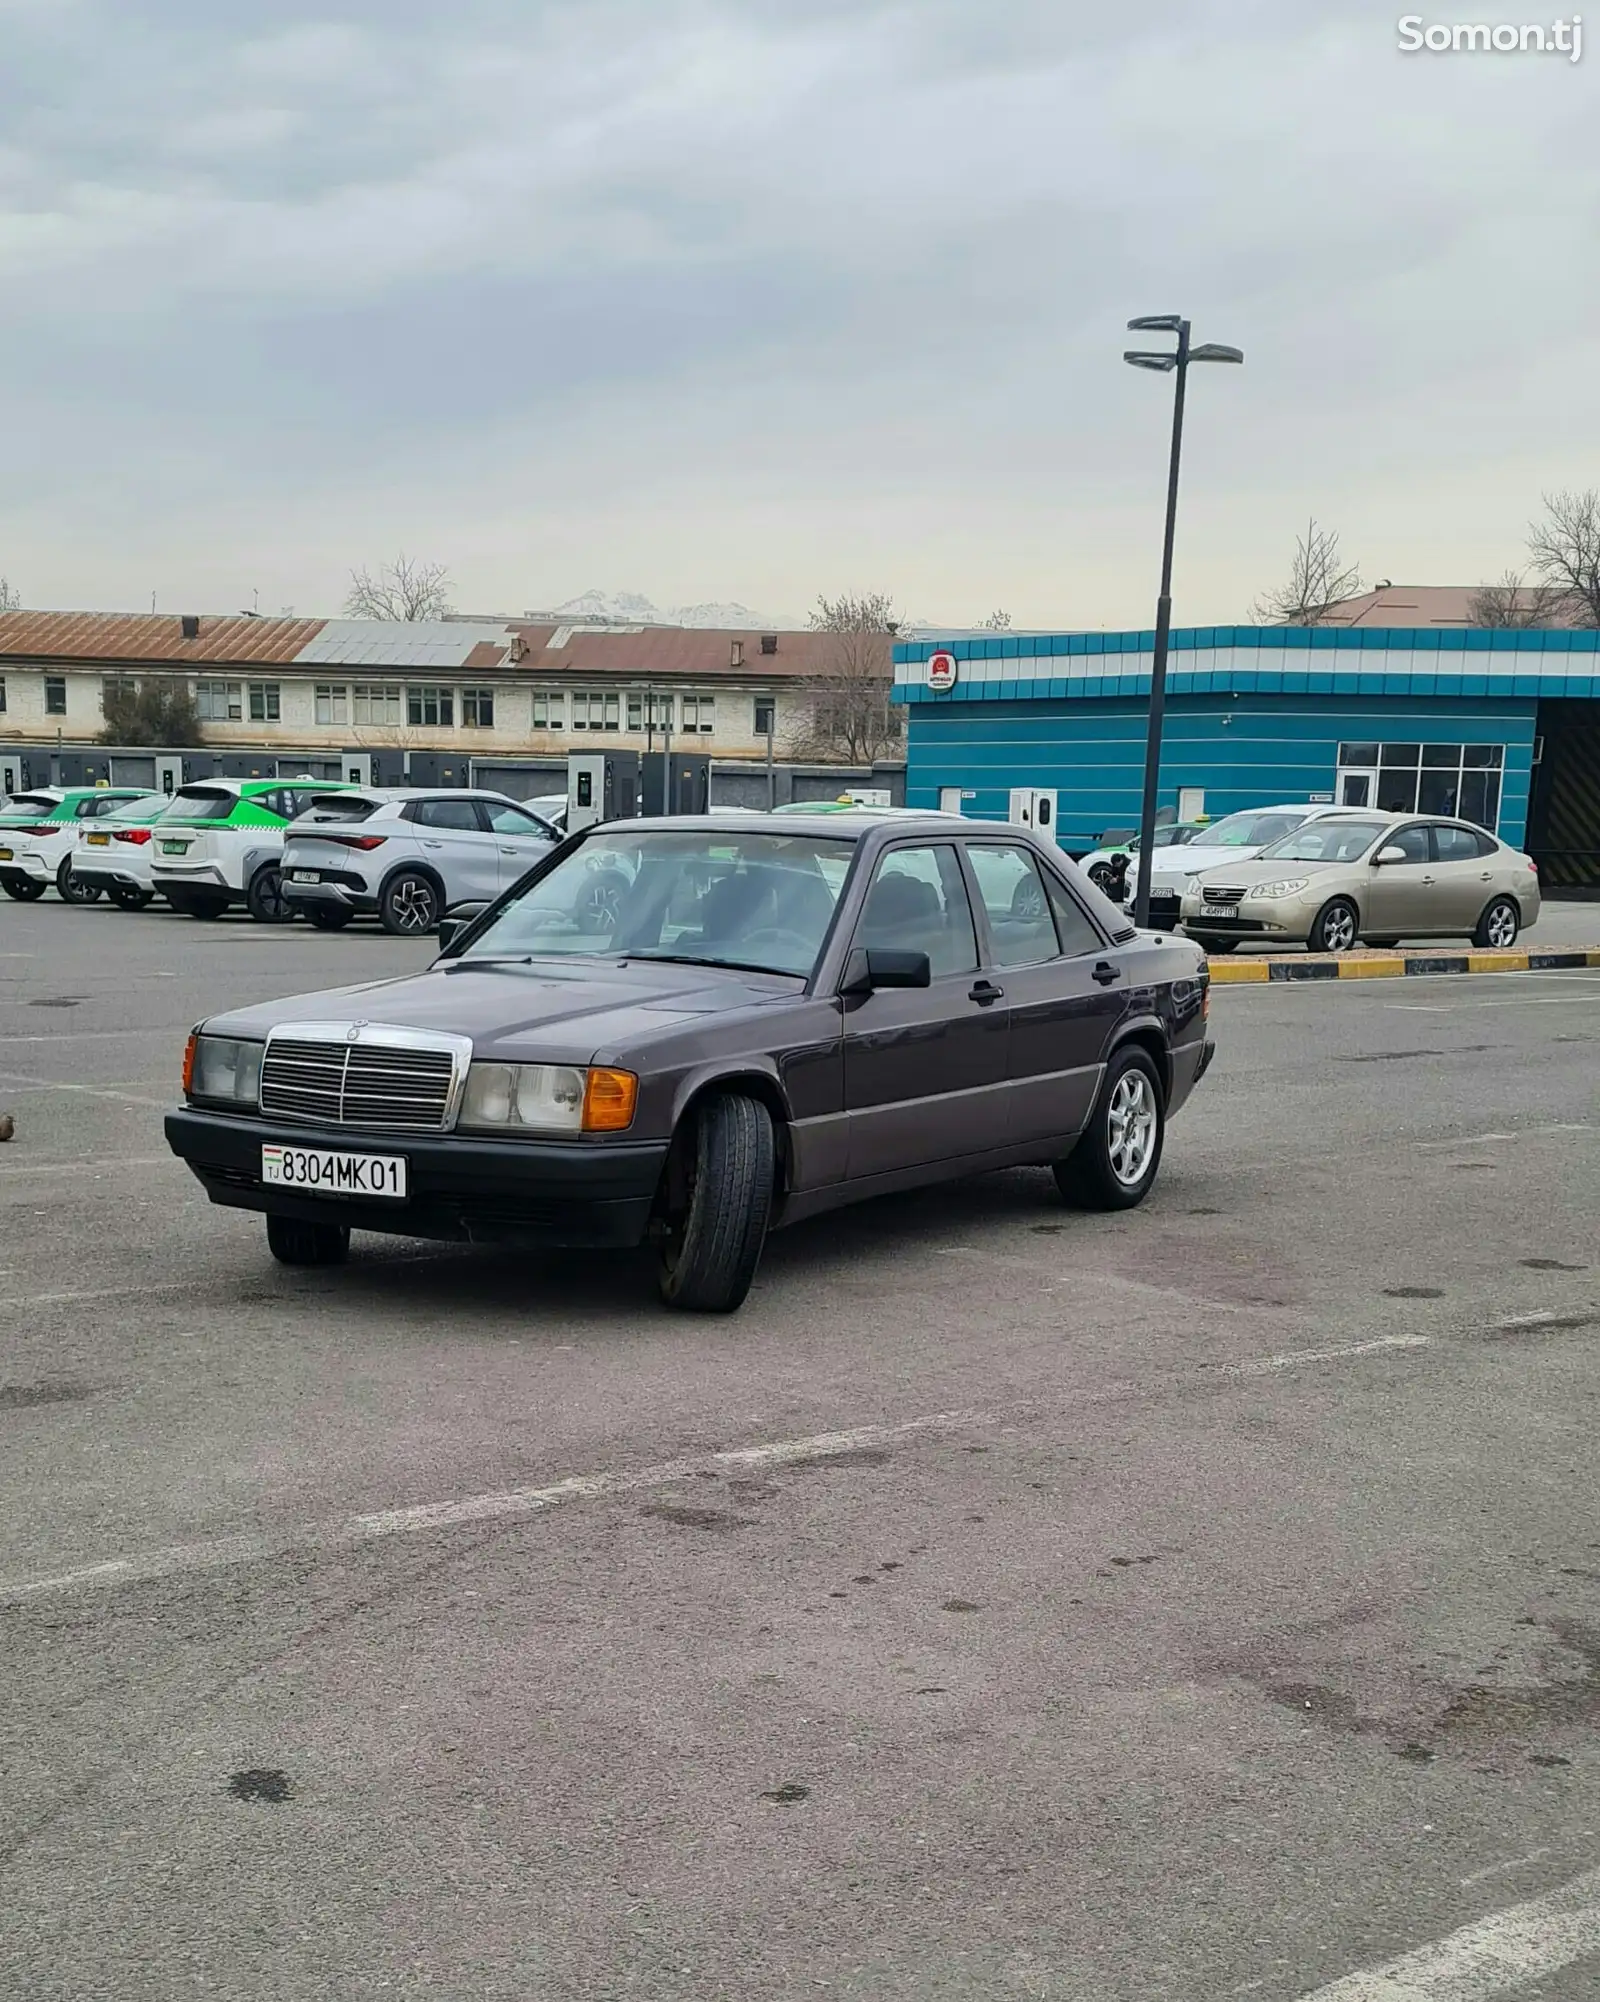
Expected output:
(1383, 944)
(22, 888)
(197, 903)
(265, 900)
(1113, 1166)
(717, 1201)
(295, 1242)
(1498, 927)
(409, 905)
(128, 899)
(1334, 927)
(326, 917)
(72, 889)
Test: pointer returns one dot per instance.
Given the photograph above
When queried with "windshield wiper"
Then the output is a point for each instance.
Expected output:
(695, 959)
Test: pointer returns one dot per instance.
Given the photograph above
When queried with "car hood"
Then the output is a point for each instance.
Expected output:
(1172, 863)
(539, 1011)
(1277, 871)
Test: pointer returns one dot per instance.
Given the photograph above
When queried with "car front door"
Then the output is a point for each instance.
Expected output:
(520, 840)
(924, 1067)
(1401, 895)
(455, 841)
(1064, 990)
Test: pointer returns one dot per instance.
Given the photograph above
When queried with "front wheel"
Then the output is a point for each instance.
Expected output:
(1212, 946)
(717, 1201)
(127, 899)
(295, 1242)
(22, 889)
(1498, 927)
(1113, 1166)
(265, 900)
(1333, 929)
(1100, 876)
(409, 905)
(72, 889)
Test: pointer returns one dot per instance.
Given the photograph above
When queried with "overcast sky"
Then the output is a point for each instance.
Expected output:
(752, 299)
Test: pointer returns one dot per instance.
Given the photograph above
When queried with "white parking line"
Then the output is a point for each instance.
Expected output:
(1492, 1957)
(20, 1081)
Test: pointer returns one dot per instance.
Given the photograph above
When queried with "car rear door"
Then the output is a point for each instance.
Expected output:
(1065, 990)
(1401, 896)
(454, 839)
(519, 839)
(924, 1067)
(1467, 875)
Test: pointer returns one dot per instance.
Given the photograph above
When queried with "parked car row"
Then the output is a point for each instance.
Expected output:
(279, 848)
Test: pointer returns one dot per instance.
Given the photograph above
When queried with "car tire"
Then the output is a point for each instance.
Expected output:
(1498, 927)
(70, 890)
(22, 889)
(1335, 928)
(292, 1241)
(410, 905)
(1114, 1165)
(196, 904)
(718, 1191)
(130, 900)
(1212, 947)
(1384, 944)
(264, 899)
(326, 917)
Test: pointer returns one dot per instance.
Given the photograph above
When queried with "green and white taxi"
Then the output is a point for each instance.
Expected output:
(39, 838)
(221, 843)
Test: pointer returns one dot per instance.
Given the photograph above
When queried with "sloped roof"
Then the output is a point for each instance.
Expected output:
(680, 651)
(1408, 605)
(428, 643)
(151, 636)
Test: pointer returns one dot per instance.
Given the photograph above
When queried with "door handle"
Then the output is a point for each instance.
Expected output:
(985, 993)
(1105, 972)
(1488, 876)
(508, 851)
(433, 844)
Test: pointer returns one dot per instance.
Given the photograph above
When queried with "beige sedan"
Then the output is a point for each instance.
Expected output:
(1367, 877)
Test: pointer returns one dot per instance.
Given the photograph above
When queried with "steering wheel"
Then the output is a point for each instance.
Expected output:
(778, 938)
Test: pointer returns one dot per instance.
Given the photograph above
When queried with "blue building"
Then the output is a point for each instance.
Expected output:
(1501, 727)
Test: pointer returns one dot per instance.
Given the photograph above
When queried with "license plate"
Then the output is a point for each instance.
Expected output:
(304, 876)
(1219, 910)
(329, 1174)
(5, 855)
(99, 840)
(174, 847)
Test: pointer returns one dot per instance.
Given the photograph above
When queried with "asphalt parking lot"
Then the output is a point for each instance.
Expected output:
(1194, 1604)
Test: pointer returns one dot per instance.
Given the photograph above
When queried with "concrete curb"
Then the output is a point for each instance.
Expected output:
(1390, 965)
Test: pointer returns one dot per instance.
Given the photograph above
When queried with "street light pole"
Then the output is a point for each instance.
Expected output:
(1176, 363)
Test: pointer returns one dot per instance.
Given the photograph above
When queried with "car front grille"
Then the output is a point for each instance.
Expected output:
(365, 1075)
(1221, 896)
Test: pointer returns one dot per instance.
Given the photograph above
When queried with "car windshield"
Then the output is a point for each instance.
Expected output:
(26, 806)
(1249, 830)
(712, 898)
(203, 803)
(146, 811)
(1326, 841)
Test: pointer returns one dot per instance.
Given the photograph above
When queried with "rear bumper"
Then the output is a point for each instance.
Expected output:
(30, 865)
(327, 896)
(1190, 1062)
(197, 875)
(578, 1194)
(107, 875)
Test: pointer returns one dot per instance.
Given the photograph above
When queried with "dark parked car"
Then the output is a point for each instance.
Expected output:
(758, 1020)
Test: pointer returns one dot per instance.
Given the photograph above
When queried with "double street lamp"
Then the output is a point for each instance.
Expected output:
(1175, 362)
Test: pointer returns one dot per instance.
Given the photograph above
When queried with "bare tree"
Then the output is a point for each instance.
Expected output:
(1511, 602)
(10, 596)
(404, 589)
(845, 702)
(1317, 582)
(997, 622)
(1565, 552)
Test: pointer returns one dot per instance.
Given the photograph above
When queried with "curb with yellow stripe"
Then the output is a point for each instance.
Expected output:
(1390, 965)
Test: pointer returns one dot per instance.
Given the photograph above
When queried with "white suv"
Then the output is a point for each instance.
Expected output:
(1238, 838)
(410, 857)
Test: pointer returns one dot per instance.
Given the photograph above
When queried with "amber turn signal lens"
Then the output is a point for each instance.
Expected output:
(609, 1099)
(188, 1061)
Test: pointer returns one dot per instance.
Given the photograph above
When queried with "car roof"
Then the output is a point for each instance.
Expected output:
(849, 823)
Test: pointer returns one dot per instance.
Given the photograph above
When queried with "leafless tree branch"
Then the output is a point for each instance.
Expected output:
(404, 589)
(848, 717)
(1564, 550)
(1317, 582)
(1511, 602)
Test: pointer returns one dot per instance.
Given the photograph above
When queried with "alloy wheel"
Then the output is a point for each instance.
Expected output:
(1131, 1118)
(1502, 927)
(412, 902)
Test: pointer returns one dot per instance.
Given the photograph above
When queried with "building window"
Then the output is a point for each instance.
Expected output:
(114, 685)
(376, 702)
(434, 708)
(549, 709)
(1460, 781)
(596, 712)
(2, 695)
(263, 702)
(55, 695)
(699, 713)
(648, 711)
(477, 708)
(765, 710)
(332, 702)
(218, 701)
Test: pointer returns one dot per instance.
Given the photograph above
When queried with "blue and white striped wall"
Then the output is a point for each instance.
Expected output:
(1255, 714)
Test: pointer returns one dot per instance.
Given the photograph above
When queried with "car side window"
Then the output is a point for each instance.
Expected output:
(918, 903)
(1457, 844)
(276, 801)
(457, 813)
(1073, 929)
(1412, 841)
(1020, 924)
(506, 819)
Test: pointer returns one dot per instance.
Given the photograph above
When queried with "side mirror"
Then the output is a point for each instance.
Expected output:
(1390, 854)
(450, 928)
(871, 967)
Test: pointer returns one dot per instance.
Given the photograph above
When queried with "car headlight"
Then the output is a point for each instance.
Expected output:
(224, 1068)
(1290, 886)
(548, 1098)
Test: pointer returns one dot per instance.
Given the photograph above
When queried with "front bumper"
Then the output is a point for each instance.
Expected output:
(1286, 922)
(463, 1189)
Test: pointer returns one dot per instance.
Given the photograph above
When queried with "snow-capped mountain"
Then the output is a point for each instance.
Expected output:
(629, 608)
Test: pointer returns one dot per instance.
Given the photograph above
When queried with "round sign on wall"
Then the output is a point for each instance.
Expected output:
(942, 670)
